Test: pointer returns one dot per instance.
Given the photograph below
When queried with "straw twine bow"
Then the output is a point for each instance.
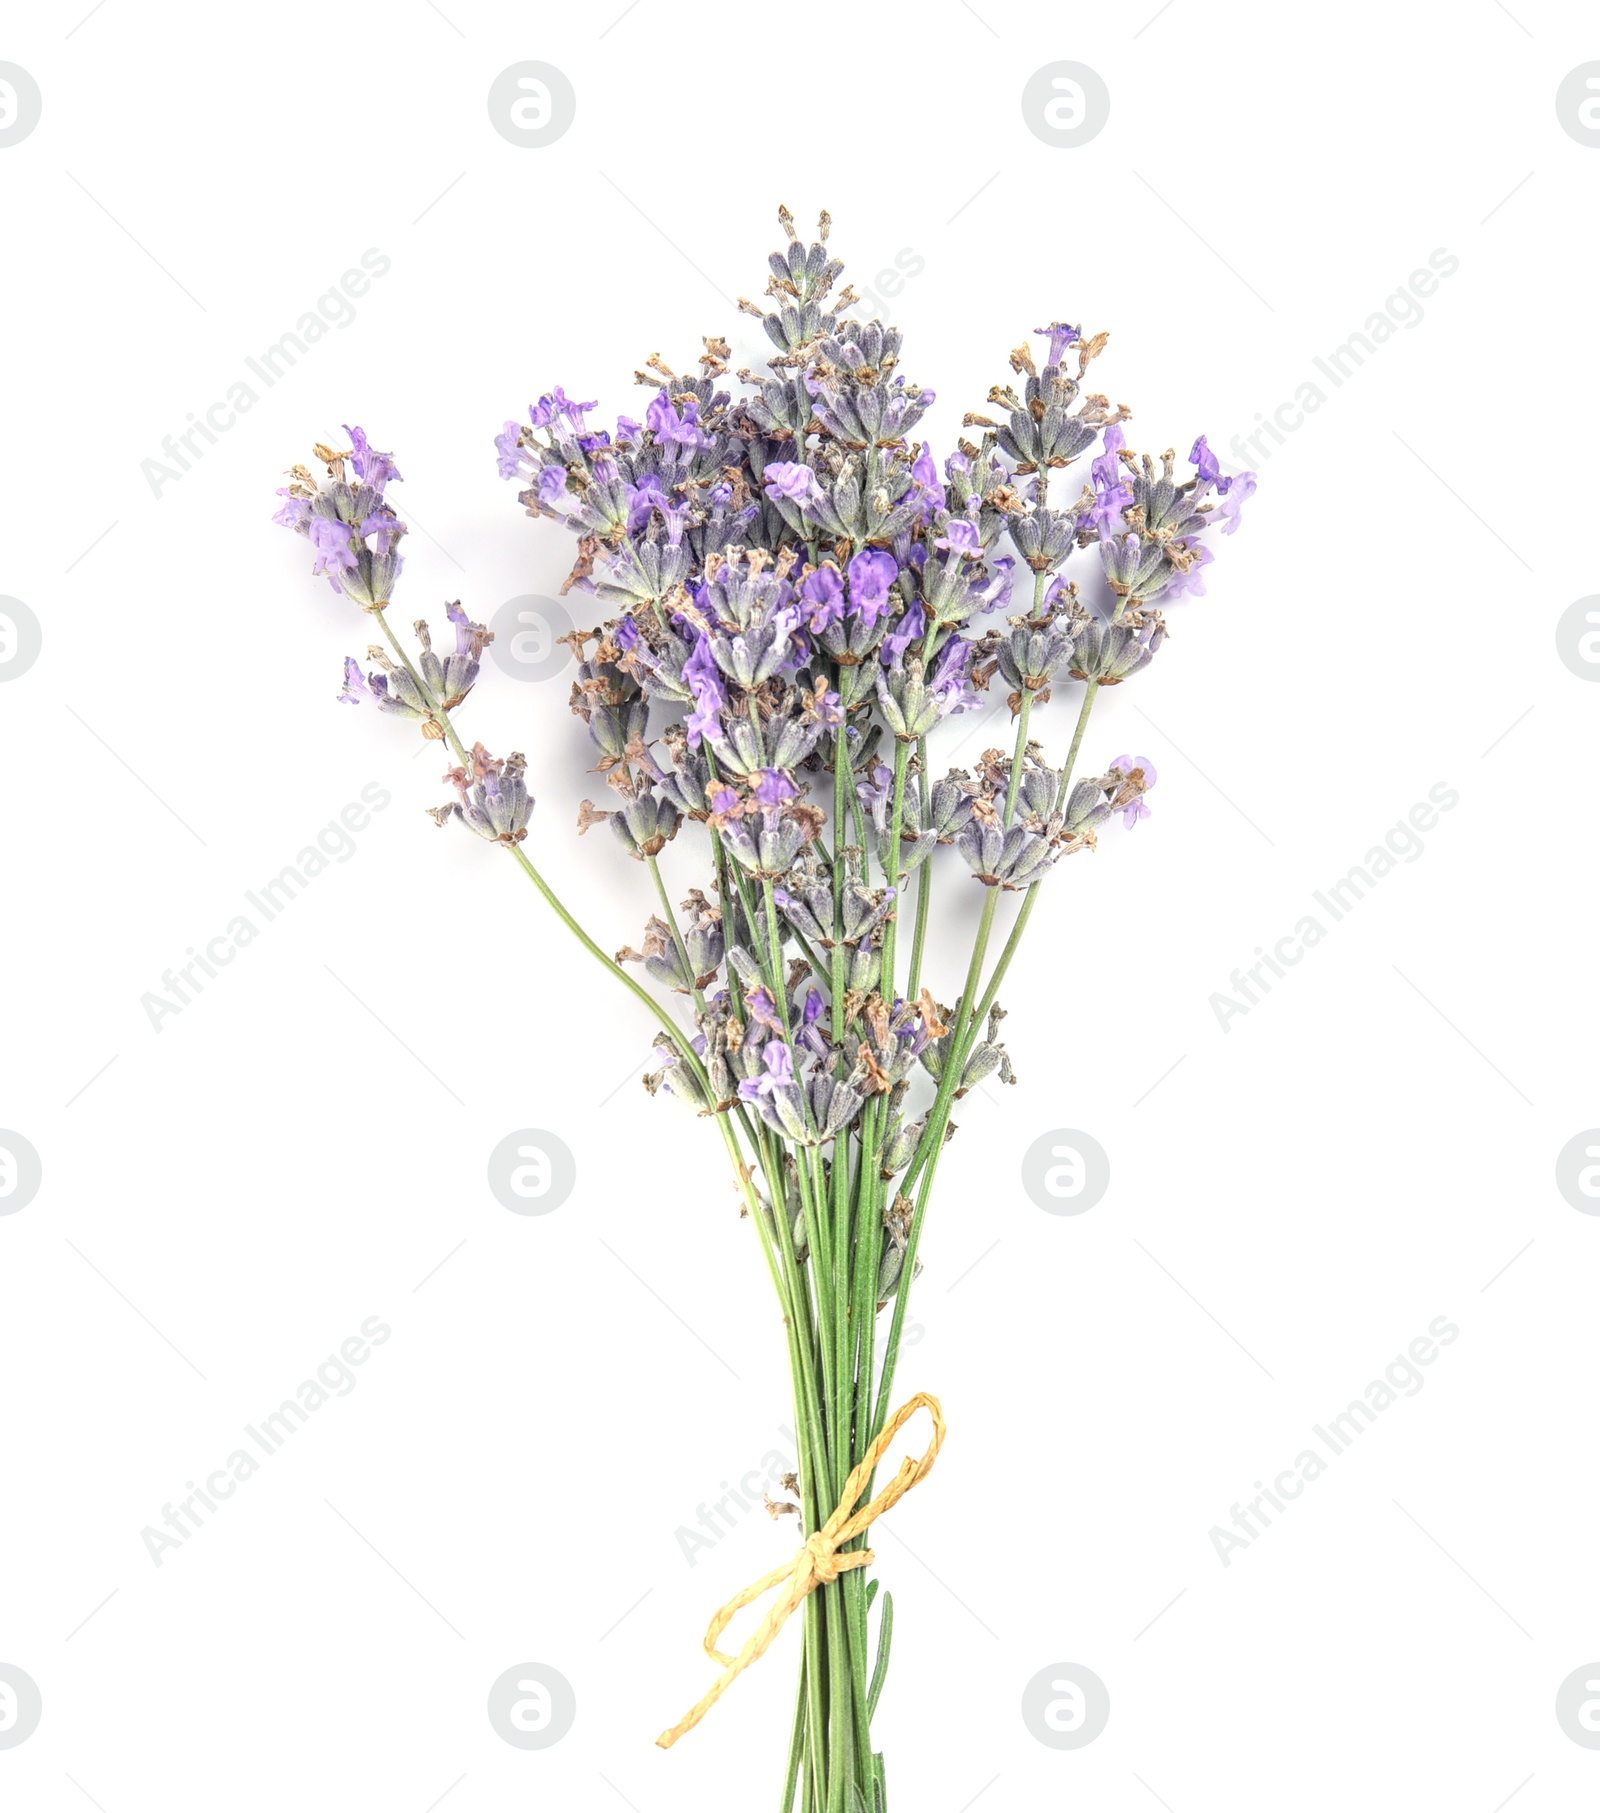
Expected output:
(819, 1562)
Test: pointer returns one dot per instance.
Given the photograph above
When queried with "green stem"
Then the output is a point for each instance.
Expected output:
(1025, 912)
(436, 705)
(829, 1733)
(657, 1008)
(967, 1023)
(1023, 714)
(924, 875)
(688, 1052)
(796, 1742)
(671, 919)
(902, 751)
(1089, 694)
(929, 1156)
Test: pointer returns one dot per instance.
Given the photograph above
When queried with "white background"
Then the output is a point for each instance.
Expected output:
(305, 1144)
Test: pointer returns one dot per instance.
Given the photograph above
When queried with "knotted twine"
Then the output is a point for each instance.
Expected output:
(819, 1563)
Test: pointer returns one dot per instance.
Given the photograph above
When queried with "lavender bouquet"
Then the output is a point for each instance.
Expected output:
(795, 597)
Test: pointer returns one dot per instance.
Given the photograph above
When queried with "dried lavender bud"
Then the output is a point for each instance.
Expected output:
(897, 1149)
(645, 823)
(765, 839)
(889, 1264)
(451, 679)
(1035, 652)
(834, 1106)
(391, 688)
(912, 703)
(897, 1217)
(612, 703)
(746, 965)
(1086, 807)
(949, 807)
(980, 489)
(685, 784)
(983, 1059)
(676, 1077)
(864, 967)
(1135, 568)
(494, 801)
(1009, 859)
(1113, 652)
(1041, 429)
(1044, 538)
(660, 957)
(703, 938)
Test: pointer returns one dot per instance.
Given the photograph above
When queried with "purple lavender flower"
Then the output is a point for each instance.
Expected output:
(1105, 469)
(950, 679)
(335, 553)
(925, 476)
(1138, 774)
(994, 594)
(514, 458)
(791, 480)
(774, 787)
(644, 497)
(385, 526)
(1205, 464)
(374, 469)
(1243, 487)
(960, 537)
(557, 408)
(725, 804)
(669, 424)
(294, 512)
(779, 1061)
(783, 1104)
(1061, 337)
(359, 686)
(552, 486)
(822, 598)
(677, 517)
(1111, 496)
(899, 639)
(763, 1009)
(873, 787)
(704, 681)
(827, 707)
(1188, 583)
(872, 574)
(340, 517)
